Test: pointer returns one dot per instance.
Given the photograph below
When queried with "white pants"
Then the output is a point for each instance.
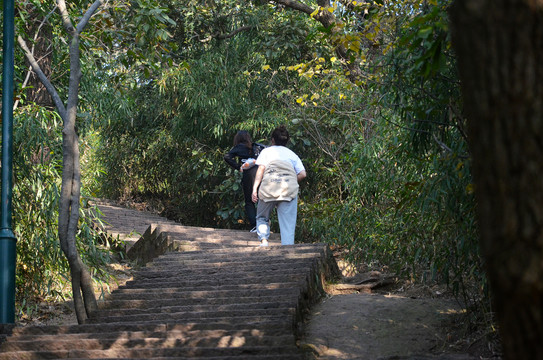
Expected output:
(286, 213)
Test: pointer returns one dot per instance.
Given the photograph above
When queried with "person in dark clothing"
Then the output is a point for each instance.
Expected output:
(243, 150)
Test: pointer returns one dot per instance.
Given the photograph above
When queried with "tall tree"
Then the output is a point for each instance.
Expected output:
(499, 44)
(82, 284)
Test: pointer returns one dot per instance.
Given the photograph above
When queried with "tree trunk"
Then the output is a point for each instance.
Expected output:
(82, 285)
(499, 45)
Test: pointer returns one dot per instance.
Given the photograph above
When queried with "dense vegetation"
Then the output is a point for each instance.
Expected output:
(369, 92)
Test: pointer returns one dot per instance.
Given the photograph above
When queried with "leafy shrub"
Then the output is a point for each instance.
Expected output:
(42, 271)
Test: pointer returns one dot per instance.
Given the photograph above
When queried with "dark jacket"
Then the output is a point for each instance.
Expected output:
(242, 152)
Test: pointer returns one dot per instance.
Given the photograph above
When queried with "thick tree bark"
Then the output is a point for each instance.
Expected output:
(499, 45)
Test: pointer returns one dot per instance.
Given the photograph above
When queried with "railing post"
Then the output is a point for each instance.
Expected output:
(7, 238)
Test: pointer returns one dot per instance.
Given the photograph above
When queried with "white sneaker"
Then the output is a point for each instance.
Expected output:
(264, 242)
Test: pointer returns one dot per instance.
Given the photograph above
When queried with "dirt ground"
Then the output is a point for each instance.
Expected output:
(391, 321)
(377, 326)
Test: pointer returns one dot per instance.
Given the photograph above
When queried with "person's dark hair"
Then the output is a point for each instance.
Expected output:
(280, 135)
(243, 137)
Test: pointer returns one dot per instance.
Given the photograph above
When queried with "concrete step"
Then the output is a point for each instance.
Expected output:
(134, 288)
(184, 295)
(199, 245)
(155, 333)
(232, 258)
(214, 281)
(153, 326)
(246, 269)
(205, 307)
(202, 316)
(111, 341)
(280, 352)
(166, 305)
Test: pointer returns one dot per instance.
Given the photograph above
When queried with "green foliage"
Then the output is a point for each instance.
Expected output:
(169, 142)
(42, 270)
(136, 33)
(408, 200)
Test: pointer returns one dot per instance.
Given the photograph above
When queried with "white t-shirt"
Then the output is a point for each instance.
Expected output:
(277, 152)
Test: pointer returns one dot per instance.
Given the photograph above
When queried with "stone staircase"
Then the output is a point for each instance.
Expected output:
(203, 293)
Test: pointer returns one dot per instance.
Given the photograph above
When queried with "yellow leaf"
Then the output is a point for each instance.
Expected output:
(331, 10)
(265, 67)
(354, 46)
(333, 59)
(299, 100)
(321, 59)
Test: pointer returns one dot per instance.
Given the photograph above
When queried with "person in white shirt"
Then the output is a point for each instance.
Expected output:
(276, 185)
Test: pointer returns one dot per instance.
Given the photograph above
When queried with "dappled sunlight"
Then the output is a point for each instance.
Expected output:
(453, 311)
(231, 341)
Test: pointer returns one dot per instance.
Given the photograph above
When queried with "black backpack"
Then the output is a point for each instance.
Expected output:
(257, 148)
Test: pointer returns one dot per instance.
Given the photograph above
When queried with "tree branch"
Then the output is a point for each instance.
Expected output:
(45, 81)
(324, 17)
(65, 17)
(327, 20)
(88, 14)
(296, 5)
(29, 72)
(233, 33)
(323, 3)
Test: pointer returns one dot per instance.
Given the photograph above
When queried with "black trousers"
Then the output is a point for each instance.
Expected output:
(247, 181)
